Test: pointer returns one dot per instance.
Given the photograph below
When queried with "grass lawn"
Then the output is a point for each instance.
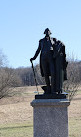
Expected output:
(16, 130)
(16, 114)
(74, 127)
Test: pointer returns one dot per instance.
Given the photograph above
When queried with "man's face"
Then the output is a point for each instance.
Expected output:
(47, 35)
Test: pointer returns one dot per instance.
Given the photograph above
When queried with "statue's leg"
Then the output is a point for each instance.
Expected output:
(53, 85)
(53, 81)
(47, 80)
(46, 75)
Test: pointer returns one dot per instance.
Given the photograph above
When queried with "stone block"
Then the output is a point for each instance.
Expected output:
(50, 117)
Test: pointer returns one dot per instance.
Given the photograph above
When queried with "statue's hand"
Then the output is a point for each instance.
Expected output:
(31, 59)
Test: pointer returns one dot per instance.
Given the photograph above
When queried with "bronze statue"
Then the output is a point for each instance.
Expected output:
(52, 62)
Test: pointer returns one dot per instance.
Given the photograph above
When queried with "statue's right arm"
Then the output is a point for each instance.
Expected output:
(36, 53)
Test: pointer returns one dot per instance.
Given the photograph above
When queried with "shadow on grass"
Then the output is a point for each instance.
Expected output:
(6, 128)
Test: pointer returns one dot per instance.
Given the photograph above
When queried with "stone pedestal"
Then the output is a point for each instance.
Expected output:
(50, 117)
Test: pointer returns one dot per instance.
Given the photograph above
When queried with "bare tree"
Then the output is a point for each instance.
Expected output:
(8, 77)
(3, 59)
(72, 84)
(26, 75)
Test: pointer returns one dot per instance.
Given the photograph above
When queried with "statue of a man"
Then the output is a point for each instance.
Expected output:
(52, 62)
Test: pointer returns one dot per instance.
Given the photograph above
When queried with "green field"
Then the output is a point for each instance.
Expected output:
(16, 130)
(16, 114)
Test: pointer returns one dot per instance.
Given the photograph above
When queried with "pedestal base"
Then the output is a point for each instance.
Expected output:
(50, 117)
(52, 96)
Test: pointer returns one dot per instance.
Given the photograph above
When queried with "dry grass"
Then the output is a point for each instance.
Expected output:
(17, 109)
(16, 114)
(75, 116)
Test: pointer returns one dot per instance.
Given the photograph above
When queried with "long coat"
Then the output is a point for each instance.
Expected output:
(39, 50)
(58, 55)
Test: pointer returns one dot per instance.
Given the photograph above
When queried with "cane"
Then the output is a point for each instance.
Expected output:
(34, 77)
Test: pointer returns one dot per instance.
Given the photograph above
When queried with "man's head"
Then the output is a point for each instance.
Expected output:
(47, 32)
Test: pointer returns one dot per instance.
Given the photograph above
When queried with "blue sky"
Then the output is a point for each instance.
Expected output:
(22, 23)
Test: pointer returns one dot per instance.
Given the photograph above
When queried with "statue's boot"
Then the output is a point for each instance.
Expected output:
(53, 91)
(53, 85)
(60, 91)
(48, 89)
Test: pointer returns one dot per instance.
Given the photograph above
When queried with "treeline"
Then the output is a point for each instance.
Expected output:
(25, 77)
(10, 78)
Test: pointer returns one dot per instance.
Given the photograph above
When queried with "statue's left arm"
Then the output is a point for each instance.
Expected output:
(64, 57)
